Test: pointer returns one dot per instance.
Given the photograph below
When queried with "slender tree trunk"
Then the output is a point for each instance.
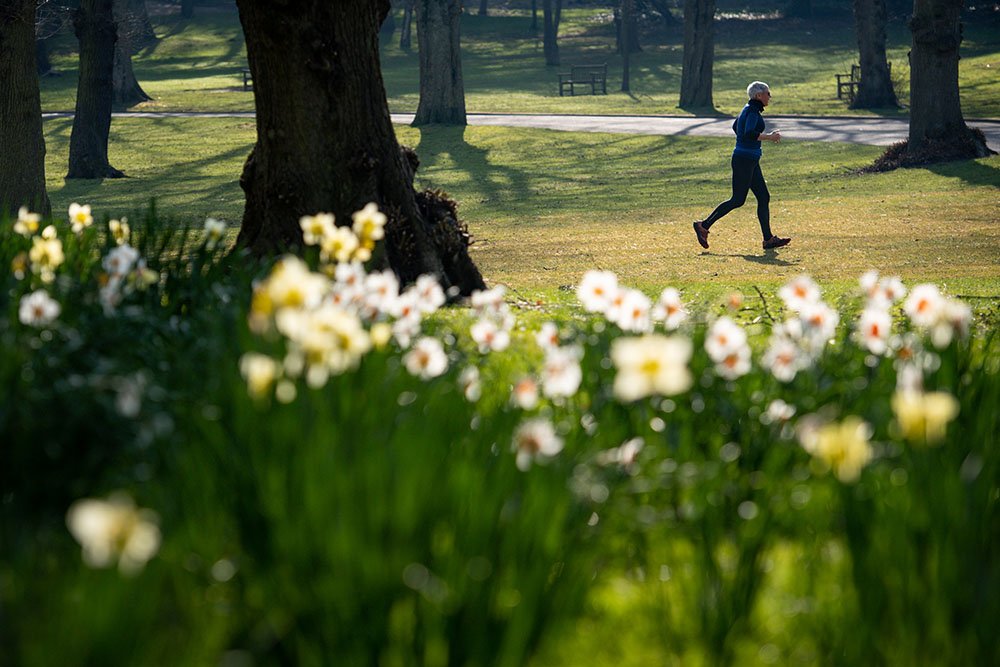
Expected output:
(875, 90)
(936, 122)
(442, 93)
(325, 141)
(42, 62)
(550, 30)
(799, 9)
(482, 8)
(626, 35)
(699, 54)
(88, 142)
(663, 9)
(22, 158)
(627, 26)
(534, 15)
(187, 8)
(406, 30)
(140, 28)
(127, 91)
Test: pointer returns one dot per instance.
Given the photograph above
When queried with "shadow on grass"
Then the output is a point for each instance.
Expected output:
(970, 172)
(769, 258)
(493, 181)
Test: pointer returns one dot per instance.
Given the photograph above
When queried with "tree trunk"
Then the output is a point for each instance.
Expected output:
(442, 93)
(88, 142)
(406, 30)
(187, 9)
(550, 31)
(937, 127)
(875, 90)
(626, 35)
(482, 8)
(126, 89)
(325, 141)
(42, 62)
(663, 9)
(699, 54)
(140, 28)
(627, 27)
(534, 15)
(22, 159)
(799, 9)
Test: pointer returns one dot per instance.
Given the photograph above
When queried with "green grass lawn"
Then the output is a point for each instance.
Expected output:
(196, 64)
(545, 206)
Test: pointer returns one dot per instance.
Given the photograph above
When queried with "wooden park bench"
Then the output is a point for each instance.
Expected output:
(591, 76)
(247, 80)
(847, 84)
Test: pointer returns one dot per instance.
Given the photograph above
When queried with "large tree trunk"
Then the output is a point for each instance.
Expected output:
(406, 30)
(875, 90)
(140, 28)
(699, 54)
(325, 141)
(550, 30)
(88, 142)
(936, 123)
(442, 93)
(22, 158)
(126, 89)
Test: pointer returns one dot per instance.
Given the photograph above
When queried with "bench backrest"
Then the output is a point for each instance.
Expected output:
(589, 71)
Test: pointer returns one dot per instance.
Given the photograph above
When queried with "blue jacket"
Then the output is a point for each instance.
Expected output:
(748, 128)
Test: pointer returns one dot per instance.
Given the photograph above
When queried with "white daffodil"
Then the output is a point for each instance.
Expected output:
(923, 305)
(80, 217)
(525, 393)
(317, 227)
(724, 337)
(535, 441)
(369, 223)
(874, 328)
(27, 222)
(468, 381)
(214, 231)
(426, 359)
(799, 292)
(651, 365)
(597, 290)
(670, 309)
(114, 530)
(561, 373)
(429, 294)
(260, 372)
(632, 312)
(489, 337)
(548, 336)
(38, 309)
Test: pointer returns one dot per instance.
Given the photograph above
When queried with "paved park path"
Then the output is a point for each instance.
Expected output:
(849, 129)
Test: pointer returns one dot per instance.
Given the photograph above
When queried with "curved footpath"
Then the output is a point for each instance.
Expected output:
(848, 129)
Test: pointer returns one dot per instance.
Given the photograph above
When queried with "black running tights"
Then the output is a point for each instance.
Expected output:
(746, 177)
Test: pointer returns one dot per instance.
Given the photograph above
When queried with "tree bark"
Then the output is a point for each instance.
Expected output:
(875, 90)
(187, 9)
(699, 54)
(406, 30)
(534, 15)
(140, 28)
(325, 141)
(22, 159)
(442, 93)
(550, 30)
(799, 9)
(626, 34)
(663, 9)
(42, 63)
(88, 142)
(126, 89)
(936, 123)
(482, 8)
(627, 27)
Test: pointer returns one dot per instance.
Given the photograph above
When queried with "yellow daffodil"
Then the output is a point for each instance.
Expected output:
(923, 418)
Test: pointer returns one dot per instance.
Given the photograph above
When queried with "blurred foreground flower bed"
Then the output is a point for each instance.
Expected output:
(207, 460)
